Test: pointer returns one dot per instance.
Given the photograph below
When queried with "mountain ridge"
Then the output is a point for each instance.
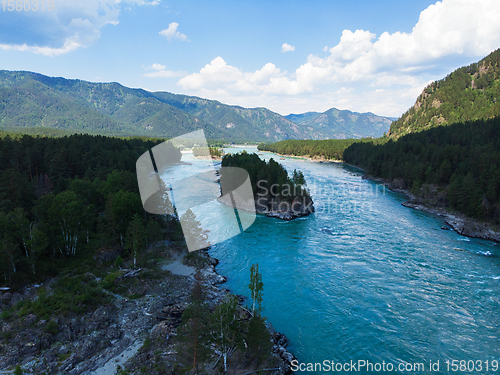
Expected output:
(343, 124)
(468, 93)
(29, 99)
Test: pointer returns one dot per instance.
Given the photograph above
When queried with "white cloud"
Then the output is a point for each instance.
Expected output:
(156, 66)
(362, 72)
(172, 33)
(287, 48)
(71, 25)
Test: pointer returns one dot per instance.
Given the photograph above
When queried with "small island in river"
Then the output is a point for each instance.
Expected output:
(274, 192)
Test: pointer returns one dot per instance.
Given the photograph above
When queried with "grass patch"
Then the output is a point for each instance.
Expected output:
(76, 294)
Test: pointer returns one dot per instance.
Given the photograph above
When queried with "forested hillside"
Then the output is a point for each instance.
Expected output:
(63, 199)
(33, 100)
(469, 93)
(342, 124)
(464, 159)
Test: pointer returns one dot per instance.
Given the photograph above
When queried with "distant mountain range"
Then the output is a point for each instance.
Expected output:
(30, 100)
(344, 124)
(469, 93)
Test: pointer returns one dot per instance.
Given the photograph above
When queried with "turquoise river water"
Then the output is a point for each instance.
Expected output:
(366, 279)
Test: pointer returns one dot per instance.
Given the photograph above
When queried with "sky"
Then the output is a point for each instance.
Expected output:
(286, 55)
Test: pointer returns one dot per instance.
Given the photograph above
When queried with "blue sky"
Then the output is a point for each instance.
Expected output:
(289, 56)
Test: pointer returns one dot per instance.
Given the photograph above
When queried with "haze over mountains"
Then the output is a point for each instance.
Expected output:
(343, 124)
(33, 100)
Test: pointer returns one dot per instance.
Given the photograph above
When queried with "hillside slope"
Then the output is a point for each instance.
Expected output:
(469, 93)
(343, 124)
(33, 100)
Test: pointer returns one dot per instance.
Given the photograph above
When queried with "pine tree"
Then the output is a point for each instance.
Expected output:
(196, 239)
(193, 334)
(258, 339)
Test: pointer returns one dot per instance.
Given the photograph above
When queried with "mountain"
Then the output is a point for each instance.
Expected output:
(298, 118)
(469, 93)
(30, 100)
(342, 124)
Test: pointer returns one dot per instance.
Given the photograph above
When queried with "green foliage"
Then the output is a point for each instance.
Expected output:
(62, 199)
(77, 294)
(109, 281)
(469, 93)
(330, 149)
(341, 124)
(258, 339)
(202, 151)
(147, 343)
(195, 237)
(119, 261)
(225, 328)
(464, 156)
(30, 100)
(193, 335)
(270, 177)
(51, 327)
(256, 287)
(18, 370)
(136, 236)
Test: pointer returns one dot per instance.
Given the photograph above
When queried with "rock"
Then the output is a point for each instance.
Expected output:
(244, 314)
(30, 320)
(7, 328)
(5, 297)
(16, 297)
(398, 184)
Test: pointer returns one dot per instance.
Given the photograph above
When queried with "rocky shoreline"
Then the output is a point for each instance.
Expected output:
(460, 223)
(284, 210)
(113, 336)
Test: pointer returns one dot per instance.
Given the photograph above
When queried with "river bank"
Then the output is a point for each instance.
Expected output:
(459, 222)
(133, 332)
(436, 205)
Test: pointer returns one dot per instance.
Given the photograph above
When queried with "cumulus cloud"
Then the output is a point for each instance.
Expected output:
(71, 25)
(156, 66)
(287, 48)
(171, 33)
(382, 74)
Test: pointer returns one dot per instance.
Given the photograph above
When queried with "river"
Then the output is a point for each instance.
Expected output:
(366, 279)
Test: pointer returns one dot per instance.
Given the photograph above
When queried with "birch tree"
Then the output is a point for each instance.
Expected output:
(225, 328)
(135, 237)
(256, 289)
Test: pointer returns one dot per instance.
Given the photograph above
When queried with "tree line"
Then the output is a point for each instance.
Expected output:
(268, 176)
(224, 329)
(331, 149)
(71, 198)
(464, 159)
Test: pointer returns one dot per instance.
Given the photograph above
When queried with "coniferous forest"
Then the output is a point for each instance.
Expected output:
(331, 149)
(264, 175)
(65, 199)
(464, 157)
